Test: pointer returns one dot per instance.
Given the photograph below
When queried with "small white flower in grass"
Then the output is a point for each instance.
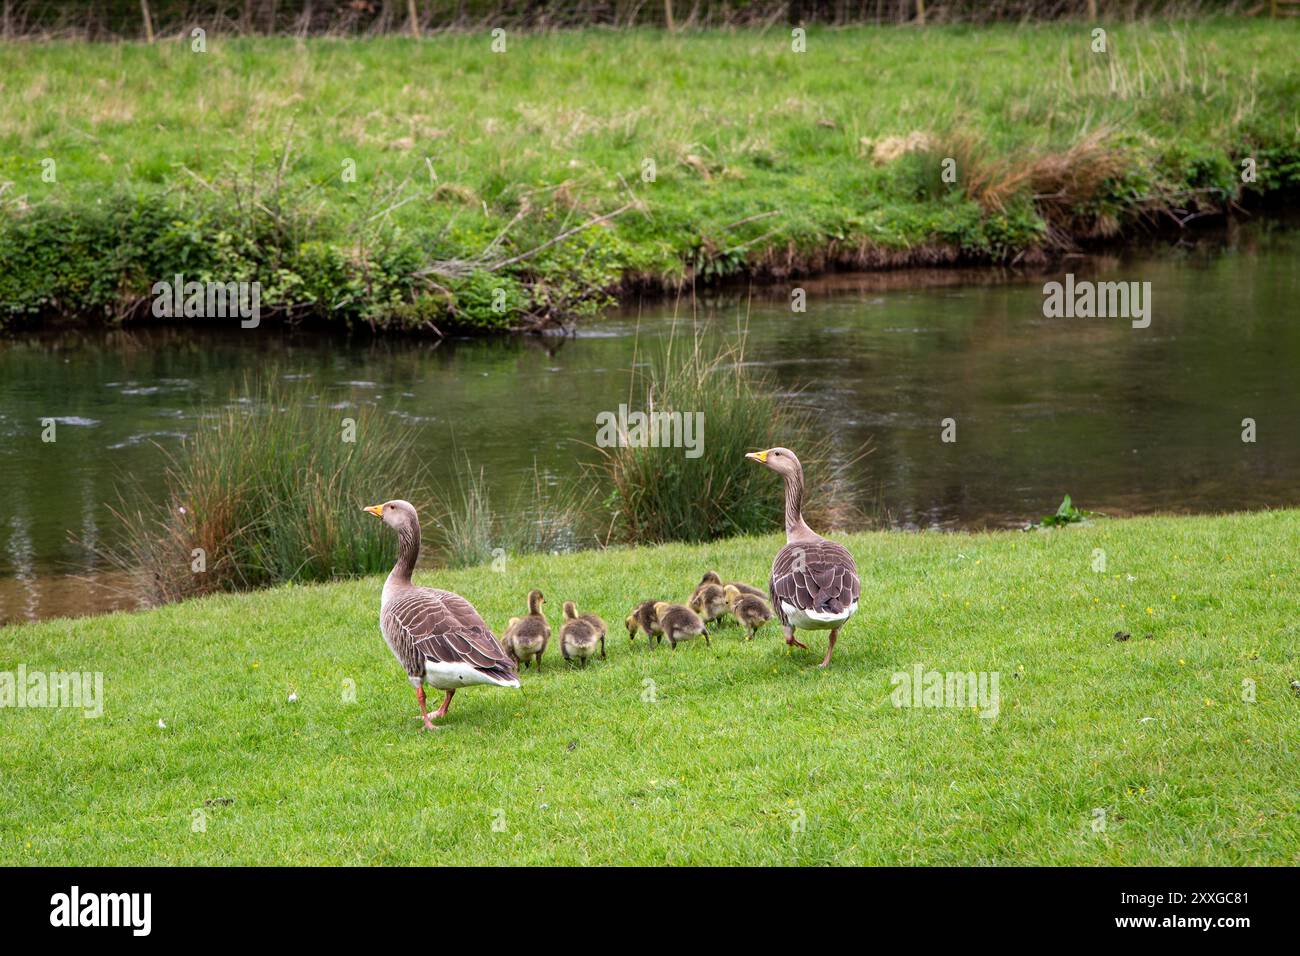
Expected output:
(161, 724)
(182, 510)
(293, 697)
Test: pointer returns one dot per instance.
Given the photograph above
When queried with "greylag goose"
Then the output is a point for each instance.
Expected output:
(579, 637)
(679, 623)
(752, 612)
(814, 582)
(436, 635)
(643, 618)
(526, 637)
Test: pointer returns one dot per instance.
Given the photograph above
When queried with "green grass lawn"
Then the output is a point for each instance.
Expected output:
(764, 157)
(705, 755)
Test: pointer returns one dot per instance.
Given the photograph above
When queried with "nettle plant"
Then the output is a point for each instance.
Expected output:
(1066, 514)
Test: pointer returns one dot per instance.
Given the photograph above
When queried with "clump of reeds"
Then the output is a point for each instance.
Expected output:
(267, 490)
(659, 494)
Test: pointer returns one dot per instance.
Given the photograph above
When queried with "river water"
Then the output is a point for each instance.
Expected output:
(1126, 420)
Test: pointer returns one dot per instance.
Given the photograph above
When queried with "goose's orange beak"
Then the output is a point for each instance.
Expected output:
(376, 510)
(759, 456)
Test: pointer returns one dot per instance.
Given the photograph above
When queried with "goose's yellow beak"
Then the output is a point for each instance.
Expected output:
(376, 510)
(760, 456)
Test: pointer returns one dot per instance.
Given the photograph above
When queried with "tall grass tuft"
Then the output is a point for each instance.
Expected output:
(658, 494)
(267, 491)
(467, 530)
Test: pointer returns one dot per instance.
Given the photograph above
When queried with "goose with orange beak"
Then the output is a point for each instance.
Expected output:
(814, 584)
(437, 636)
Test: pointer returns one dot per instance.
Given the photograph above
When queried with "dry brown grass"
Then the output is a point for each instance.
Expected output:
(1064, 184)
(1067, 184)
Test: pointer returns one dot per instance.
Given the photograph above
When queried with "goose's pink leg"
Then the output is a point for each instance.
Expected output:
(424, 710)
(446, 702)
(830, 649)
(790, 638)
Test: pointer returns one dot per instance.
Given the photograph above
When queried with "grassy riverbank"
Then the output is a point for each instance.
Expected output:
(707, 754)
(123, 164)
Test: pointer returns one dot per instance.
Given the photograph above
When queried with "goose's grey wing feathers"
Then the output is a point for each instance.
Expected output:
(818, 576)
(426, 624)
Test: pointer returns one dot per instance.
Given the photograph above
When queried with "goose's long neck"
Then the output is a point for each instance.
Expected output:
(795, 528)
(408, 549)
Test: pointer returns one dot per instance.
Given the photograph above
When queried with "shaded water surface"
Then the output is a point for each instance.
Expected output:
(1125, 420)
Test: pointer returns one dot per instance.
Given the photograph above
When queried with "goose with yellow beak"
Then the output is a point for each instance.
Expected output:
(436, 635)
(814, 583)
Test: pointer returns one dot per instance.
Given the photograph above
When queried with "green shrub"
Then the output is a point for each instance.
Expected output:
(93, 259)
(103, 261)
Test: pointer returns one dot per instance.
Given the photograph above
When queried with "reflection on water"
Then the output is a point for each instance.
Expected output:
(1125, 420)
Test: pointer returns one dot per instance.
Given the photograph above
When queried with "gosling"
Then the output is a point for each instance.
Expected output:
(526, 637)
(579, 637)
(596, 621)
(752, 612)
(710, 602)
(711, 577)
(679, 623)
(643, 619)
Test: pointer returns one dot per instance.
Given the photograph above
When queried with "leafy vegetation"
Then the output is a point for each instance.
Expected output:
(736, 753)
(522, 190)
(1067, 513)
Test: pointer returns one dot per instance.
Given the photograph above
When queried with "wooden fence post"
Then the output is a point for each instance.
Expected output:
(148, 21)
